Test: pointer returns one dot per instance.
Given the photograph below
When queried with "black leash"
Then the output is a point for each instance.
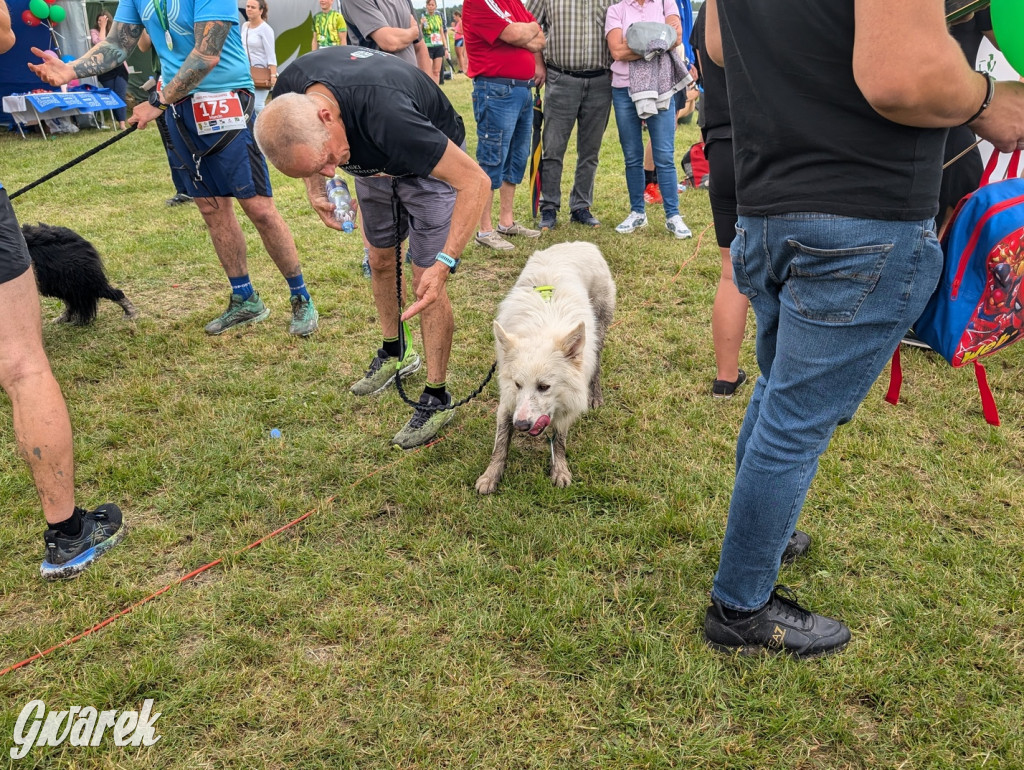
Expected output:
(395, 213)
(79, 159)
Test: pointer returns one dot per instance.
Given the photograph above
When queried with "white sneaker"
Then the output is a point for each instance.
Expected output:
(634, 221)
(677, 227)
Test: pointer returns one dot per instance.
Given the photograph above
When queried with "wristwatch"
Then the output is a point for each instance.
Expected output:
(445, 259)
(154, 99)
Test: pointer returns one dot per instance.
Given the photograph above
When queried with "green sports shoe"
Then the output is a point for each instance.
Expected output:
(305, 318)
(240, 312)
(382, 372)
(425, 423)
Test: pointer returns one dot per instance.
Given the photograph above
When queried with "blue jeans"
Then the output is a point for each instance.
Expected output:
(832, 296)
(504, 125)
(662, 130)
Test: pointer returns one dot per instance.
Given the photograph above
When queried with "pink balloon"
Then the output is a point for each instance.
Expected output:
(74, 83)
(50, 55)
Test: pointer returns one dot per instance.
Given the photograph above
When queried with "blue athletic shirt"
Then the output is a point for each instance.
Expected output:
(231, 72)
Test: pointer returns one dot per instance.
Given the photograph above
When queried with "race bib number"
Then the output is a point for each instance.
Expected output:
(217, 113)
(436, 39)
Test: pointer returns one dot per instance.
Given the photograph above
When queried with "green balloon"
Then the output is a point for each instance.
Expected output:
(57, 14)
(39, 9)
(1008, 25)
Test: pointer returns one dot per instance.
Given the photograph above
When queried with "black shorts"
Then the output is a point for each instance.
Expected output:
(436, 51)
(722, 189)
(14, 259)
(963, 177)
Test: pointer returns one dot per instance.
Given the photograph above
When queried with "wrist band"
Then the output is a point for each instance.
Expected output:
(988, 98)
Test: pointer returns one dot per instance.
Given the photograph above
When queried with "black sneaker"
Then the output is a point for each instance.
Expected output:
(799, 543)
(725, 388)
(66, 557)
(548, 219)
(179, 199)
(911, 339)
(781, 626)
(585, 218)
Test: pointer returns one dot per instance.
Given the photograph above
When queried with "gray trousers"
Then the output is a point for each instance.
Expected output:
(569, 101)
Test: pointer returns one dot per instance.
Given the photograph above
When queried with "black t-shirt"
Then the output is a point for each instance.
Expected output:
(397, 119)
(805, 138)
(714, 105)
(969, 34)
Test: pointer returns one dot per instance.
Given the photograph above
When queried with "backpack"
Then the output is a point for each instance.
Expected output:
(695, 166)
(978, 306)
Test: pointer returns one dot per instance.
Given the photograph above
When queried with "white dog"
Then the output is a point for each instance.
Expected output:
(548, 337)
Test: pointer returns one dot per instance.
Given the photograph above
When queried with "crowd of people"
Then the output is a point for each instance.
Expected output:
(825, 132)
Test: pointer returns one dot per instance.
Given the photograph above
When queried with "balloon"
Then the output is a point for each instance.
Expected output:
(49, 55)
(39, 9)
(50, 2)
(74, 83)
(67, 59)
(29, 19)
(1008, 25)
(57, 14)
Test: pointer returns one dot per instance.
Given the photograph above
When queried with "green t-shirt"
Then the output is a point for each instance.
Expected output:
(328, 27)
(432, 26)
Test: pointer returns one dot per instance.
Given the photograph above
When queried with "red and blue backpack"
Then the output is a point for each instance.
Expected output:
(978, 307)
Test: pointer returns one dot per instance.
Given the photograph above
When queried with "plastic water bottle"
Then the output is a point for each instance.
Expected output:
(341, 199)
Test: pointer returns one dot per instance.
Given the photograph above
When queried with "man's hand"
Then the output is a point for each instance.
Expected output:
(316, 191)
(143, 114)
(52, 70)
(431, 286)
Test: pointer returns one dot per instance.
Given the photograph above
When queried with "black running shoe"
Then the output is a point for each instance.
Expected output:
(781, 626)
(66, 557)
(911, 339)
(799, 543)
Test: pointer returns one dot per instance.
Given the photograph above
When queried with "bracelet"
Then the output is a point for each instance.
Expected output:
(988, 98)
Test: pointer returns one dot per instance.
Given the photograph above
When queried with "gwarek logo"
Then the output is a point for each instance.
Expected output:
(82, 727)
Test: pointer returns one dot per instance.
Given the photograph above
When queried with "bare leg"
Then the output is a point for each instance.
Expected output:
(274, 232)
(488, 481)
(438, 325)
(435, 69)
(485, 218)
(728, 320)
(506, 196)
(385, 296)
(41, 424)
(560, 474)
(226, 234)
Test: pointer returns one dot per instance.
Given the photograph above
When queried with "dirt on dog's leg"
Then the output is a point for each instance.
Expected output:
(560, 474)
(128, 308)
(488, 481)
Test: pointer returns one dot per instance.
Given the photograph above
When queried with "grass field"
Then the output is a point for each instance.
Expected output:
(410, 623)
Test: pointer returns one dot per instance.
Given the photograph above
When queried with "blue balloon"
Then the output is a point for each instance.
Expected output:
(67, 59)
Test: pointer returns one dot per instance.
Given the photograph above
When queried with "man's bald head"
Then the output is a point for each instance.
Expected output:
(291, 134)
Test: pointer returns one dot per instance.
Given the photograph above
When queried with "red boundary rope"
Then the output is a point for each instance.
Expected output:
(193, 574)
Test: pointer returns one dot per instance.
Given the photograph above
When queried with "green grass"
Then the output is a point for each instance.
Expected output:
(410, 623)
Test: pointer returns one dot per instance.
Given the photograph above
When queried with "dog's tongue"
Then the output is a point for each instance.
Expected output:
(540, 425)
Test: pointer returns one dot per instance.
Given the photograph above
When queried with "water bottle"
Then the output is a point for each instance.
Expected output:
(341, 199)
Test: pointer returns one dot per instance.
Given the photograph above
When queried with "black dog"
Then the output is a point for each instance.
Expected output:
(69, 268)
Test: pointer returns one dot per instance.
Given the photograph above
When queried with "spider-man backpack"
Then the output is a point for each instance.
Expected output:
(978, 307)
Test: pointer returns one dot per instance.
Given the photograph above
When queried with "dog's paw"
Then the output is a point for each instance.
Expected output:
(488, 483)
(596, 401)
(561, 477)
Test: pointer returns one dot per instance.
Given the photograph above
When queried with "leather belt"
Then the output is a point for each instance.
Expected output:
(579, 73)
(507, 81)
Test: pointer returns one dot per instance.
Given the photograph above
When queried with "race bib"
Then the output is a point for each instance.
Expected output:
(217, 113)
(436, 39)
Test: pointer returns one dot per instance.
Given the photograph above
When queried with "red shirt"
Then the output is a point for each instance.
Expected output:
(483, 21)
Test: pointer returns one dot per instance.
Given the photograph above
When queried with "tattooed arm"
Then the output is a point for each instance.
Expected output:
(102, 57)
(210, 37)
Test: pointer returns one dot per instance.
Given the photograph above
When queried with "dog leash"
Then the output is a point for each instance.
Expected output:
(401, 326)
(76, 161)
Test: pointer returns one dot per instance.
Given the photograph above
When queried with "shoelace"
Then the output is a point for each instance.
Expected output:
(787, 603)
(377, 362)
